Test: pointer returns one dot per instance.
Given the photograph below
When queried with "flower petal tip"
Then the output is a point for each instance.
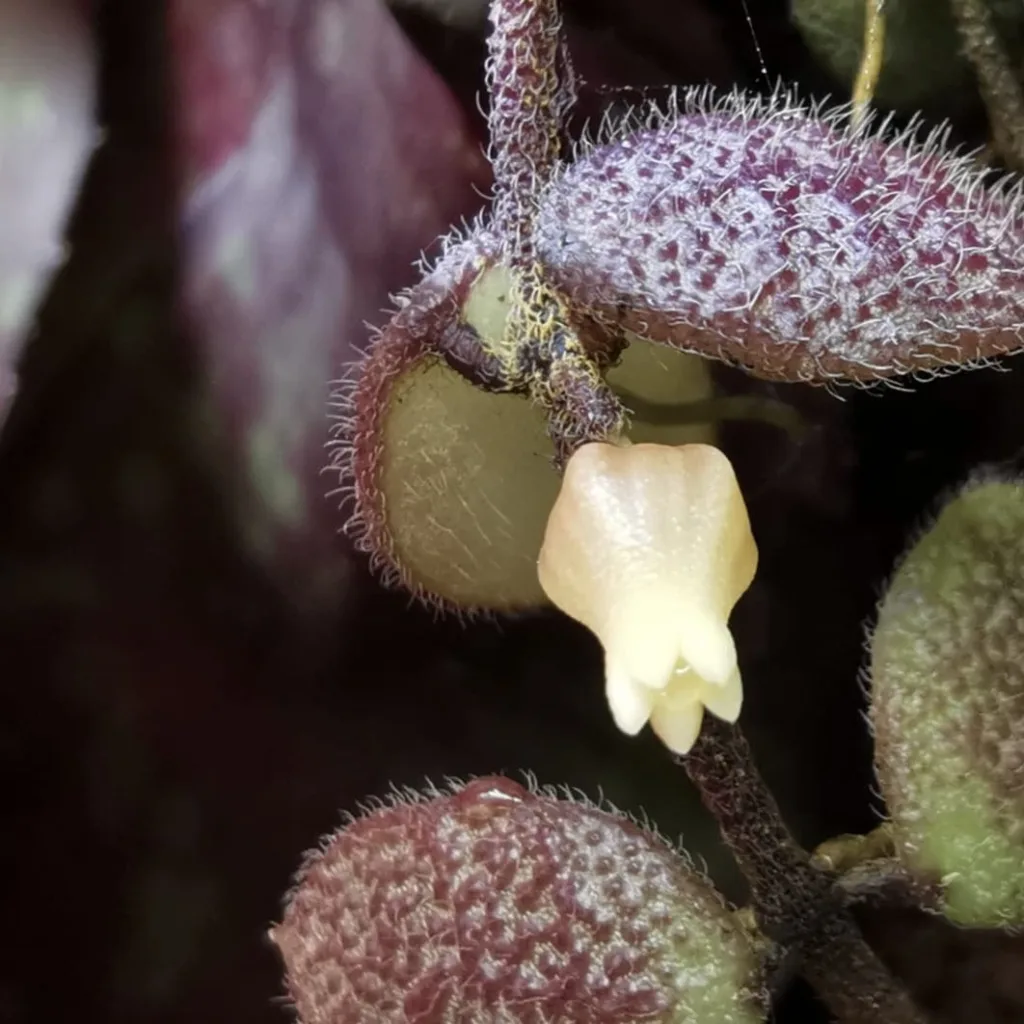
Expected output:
(630, 702)
(677, 725)
(725, 702)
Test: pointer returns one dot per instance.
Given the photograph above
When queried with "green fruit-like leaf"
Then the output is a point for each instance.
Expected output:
(469, 482)
(453, 484)
(667, 379)
(947, 664)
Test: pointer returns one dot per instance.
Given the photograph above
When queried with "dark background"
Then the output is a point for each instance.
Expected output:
(180, 719)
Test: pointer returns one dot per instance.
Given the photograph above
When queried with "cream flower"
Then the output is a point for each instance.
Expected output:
(650, 547)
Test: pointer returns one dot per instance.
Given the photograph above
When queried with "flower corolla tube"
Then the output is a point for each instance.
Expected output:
(650, 547)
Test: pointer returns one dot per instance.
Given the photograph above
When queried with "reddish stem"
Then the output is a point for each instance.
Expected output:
(526, 102)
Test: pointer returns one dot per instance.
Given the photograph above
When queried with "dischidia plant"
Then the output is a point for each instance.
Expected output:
(493, 463)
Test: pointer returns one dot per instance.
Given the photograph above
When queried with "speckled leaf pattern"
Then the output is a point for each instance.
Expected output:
(496, 902)
(947, 672)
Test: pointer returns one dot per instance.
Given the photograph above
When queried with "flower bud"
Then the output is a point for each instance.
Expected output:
(947, 704)
(650, 547)
(495, 903)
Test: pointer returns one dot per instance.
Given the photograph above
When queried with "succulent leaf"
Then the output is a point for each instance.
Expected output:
(771, 235)
(452, 482)
(947, 705)
(501, 903)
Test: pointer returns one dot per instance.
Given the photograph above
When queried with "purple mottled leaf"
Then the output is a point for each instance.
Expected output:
(496, 902)
(47, 134)
(319, 155)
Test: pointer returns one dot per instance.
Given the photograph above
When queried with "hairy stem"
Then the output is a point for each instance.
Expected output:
(560, 374)
(526, 103)
(796, 905)
(999, 85)
(532, 86)
(852, 982)
(789, 895)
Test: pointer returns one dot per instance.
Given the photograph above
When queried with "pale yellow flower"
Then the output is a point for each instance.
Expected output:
(650, 547)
